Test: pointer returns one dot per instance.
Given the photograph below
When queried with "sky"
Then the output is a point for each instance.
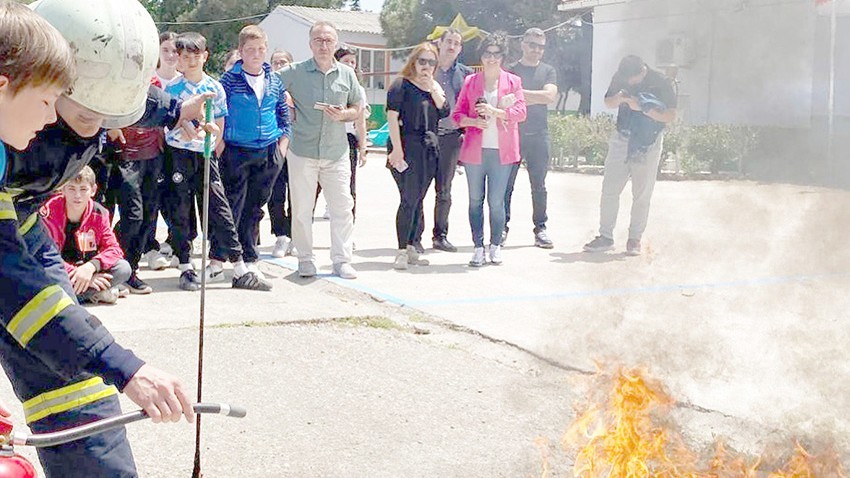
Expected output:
(372, 5)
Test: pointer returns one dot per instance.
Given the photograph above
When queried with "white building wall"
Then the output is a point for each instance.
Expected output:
(753, 64)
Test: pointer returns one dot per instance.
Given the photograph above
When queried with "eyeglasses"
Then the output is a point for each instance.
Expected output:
(426, 62)
(535, 46)
(323, 41)
(492, 54)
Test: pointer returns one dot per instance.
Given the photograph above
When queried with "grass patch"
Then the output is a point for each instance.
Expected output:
(372, 321)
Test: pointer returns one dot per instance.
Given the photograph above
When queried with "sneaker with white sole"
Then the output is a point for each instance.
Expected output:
(156, 261)
(138, 286)
(306, 269)
(599, 244)
(344, 270)
(401, 260)
(250, 281)
(633, 247)
(413, 257)
(166, 250)
(106, 296)
(214, 274)
(189, 280)
(254, 267)
(478, 257)
(496, 254)
(281, 247)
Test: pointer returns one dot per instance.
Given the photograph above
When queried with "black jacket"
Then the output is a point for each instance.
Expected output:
(58, 154)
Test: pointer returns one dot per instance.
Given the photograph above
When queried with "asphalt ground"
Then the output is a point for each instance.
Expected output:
(737, 304)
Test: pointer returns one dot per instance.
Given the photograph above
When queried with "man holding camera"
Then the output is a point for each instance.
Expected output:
(646, 102)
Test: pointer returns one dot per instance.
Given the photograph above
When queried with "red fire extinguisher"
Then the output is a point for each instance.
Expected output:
(12, 465)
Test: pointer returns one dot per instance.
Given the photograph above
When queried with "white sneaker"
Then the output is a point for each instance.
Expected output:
(413, 257)
(496, 254)
(291, 250)
(401, 260)
(345, 271)
(166, 250)
(281, 246)
(253, 267)
(214, 274)
(156, 261)
(478, 257)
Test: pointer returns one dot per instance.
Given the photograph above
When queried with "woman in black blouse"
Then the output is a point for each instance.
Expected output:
(415, 103)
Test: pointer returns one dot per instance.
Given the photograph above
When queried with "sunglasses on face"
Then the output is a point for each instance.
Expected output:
(535, 46)
(492, 54)
(426, 62)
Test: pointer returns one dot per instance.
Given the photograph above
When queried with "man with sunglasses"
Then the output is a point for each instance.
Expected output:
(449, 74)
(539, 81)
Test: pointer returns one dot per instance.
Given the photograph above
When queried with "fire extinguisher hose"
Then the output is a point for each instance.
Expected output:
(71, 434)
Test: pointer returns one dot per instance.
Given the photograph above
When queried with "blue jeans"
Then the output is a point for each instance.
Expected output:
(490, 176)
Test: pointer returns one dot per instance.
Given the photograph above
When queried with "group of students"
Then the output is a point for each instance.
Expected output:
(153, 171)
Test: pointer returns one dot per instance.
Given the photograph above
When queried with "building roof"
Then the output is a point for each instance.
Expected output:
(345, 20)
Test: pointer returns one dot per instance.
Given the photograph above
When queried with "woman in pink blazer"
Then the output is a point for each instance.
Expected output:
(490, 107)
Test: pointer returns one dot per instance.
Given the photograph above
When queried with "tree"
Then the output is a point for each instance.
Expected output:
(221, 37)
(355, 5)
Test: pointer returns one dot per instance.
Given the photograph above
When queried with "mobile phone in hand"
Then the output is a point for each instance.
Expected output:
(320, 106)
(402, 167)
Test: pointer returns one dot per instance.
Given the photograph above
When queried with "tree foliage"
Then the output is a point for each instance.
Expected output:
(408, 22)
(221, 37)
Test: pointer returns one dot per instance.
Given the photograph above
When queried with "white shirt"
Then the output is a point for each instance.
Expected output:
(349, 127)
(490, 139)
(258, 84)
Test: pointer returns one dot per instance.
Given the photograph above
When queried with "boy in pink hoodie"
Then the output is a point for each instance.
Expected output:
(83, 232)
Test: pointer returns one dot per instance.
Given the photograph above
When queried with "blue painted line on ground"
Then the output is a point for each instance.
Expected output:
(631, 290)
(661, 288)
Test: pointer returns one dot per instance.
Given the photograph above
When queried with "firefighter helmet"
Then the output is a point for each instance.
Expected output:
(116, 45)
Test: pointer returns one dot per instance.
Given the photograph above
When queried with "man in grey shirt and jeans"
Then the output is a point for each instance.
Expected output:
(326, 95)
(449, 74)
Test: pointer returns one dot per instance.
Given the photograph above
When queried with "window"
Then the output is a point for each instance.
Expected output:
(372, 62)
(379, 82)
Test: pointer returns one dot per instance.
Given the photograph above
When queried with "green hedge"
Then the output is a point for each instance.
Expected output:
(711, 148)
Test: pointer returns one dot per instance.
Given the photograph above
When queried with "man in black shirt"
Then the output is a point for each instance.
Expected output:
(539, 83)
(646, 102)
(449, 74)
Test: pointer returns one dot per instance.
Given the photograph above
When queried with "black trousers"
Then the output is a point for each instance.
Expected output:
(184, 171)
(249, 175)
(138, 206)
(413, 185)
(280, 203)
(535, 152)
(450, 142)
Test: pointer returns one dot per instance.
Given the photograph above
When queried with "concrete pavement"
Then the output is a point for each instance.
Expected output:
(737, 304)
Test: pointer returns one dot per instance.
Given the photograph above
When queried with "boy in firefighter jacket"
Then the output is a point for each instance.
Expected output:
(64, 365)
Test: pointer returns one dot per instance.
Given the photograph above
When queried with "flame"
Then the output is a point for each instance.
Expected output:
(628, 436)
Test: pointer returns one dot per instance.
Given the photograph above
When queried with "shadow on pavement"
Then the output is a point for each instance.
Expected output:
(590, 257)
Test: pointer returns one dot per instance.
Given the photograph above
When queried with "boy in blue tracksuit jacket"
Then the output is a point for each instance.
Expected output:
(257, 125)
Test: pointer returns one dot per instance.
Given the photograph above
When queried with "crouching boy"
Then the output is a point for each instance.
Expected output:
(82, 231)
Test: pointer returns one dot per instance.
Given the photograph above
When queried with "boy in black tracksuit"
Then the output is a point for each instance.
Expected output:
(256, 128)
(184, 169)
